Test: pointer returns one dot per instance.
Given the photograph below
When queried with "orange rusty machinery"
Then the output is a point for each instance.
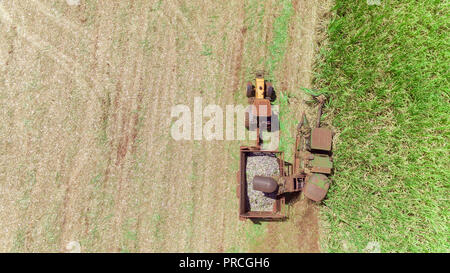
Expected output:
(312, 164)
(260, 95)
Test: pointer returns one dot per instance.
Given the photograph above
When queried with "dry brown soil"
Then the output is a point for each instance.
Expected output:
(85, 114)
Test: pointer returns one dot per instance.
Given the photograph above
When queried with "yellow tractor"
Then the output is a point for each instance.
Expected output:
(260, 95)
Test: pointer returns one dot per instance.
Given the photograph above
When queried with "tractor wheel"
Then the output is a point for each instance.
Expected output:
(250, 90)
(269, 91)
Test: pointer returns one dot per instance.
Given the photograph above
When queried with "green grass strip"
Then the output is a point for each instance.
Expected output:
(277, 50)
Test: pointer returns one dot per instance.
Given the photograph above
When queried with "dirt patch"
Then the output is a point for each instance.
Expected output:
(295, 5)
(272, 237)
(308, 224)
(11, 45)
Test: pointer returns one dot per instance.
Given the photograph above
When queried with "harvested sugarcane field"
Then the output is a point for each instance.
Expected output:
(236, 126)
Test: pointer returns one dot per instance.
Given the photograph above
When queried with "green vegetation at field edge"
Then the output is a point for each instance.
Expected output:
(386, 71)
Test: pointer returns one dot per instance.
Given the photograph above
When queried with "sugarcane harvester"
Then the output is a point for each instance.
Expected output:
(312, 163)
(309, 172)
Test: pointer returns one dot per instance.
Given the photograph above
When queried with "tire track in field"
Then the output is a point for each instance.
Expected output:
(196, 197)
(210, 213)
(150, 126)
(233, 66)
(68, 25)
(11, 48)
(190, 193)
(145, 232)
(268, 27)
(117, 119)
(180, 199)
(127, 104)
(115, 109)
(237, 75)
(228, 218)
(159, 96)
(43, 28)
(71, 209)
(67, 63)
(170, 157)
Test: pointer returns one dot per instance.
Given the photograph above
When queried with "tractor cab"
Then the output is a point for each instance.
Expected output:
(260, 88)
